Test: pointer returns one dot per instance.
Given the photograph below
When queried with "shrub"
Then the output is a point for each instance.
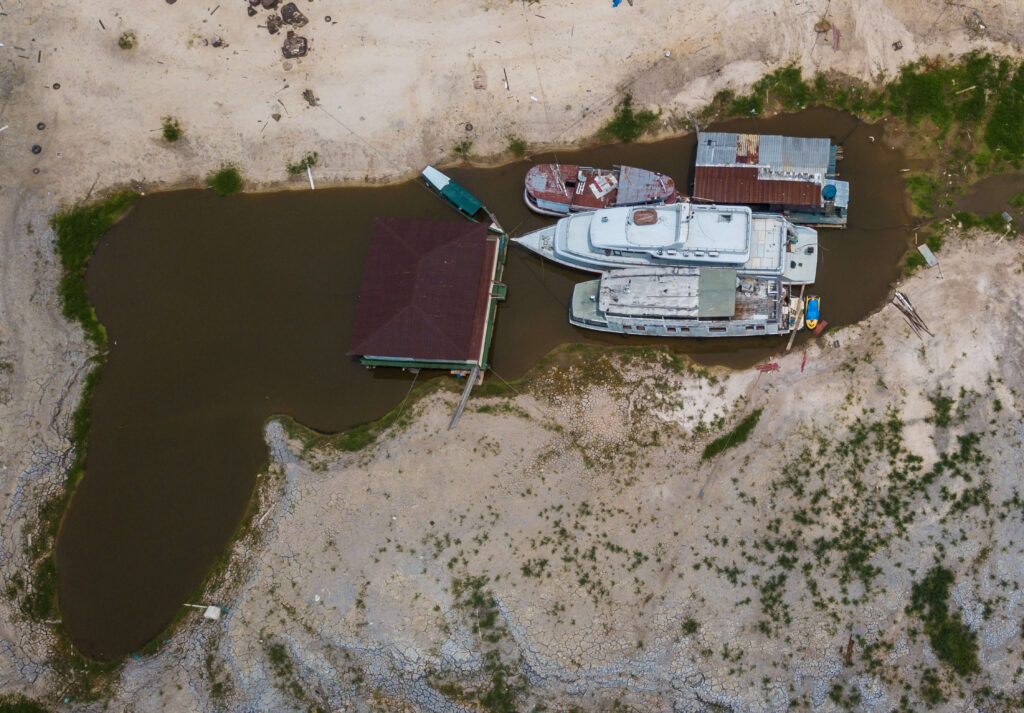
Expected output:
(516, 146)
(627, 124)
(735, 437)
(307, 161)
(127, 40)
(227, 181)
(951, 640)
(171, 129)
(462, 148)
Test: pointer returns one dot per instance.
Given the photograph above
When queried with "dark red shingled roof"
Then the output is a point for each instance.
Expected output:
(426, 291)
(725, 184)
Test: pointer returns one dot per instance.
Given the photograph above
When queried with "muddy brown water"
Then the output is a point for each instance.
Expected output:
(224, 311)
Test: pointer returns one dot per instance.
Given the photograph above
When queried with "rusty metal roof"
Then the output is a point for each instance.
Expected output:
(426, 291)
(741, 184)
(788, 154)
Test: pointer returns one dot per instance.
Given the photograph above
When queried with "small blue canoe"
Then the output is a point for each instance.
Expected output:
(813, 312)
(459, 198)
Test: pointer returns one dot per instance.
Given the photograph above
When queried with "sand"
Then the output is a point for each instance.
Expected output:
(396, 84)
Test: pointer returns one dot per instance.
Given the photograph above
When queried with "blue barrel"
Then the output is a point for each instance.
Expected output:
(828, 192)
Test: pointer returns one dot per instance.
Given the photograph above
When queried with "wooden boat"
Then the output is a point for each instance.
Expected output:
(460, 199)
(813, 312)
(556, 189)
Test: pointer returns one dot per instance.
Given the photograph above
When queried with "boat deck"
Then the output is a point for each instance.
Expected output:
(688, 294)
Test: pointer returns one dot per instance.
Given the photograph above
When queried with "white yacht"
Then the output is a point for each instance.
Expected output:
(681, 235)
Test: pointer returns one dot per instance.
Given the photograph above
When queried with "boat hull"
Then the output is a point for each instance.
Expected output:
(586, 311)
(772, 246)
(557, 190)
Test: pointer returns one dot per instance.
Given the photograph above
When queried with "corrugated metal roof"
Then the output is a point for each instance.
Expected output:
(426, 291)
(741, 184)
(842, 192)
(779, 153)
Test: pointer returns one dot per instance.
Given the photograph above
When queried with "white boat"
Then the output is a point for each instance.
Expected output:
(685, 302)
(681, 235)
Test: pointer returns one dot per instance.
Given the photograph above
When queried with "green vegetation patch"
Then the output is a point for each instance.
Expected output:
(1003, 132)
(734, 438)
(516, 146)
(17, 703)
(627, 124)
(994, 222)
(170, 129)
(78, 230)
(227, 181)
(300, 166)
(951, 640)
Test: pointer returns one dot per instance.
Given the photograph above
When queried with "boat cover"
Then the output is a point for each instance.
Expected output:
(461, 198)
(638, 185)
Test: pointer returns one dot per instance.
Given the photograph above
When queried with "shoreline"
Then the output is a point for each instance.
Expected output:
(38, 342)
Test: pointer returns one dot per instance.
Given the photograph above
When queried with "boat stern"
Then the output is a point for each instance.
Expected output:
(801, 255)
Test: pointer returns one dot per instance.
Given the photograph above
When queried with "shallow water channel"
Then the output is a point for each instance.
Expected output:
(224, 311)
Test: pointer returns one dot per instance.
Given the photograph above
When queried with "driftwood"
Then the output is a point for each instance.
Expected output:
(901, 303)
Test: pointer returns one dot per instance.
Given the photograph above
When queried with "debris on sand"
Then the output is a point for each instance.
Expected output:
(273, 24)
(310, 97)
(291, 15)
(294, 46)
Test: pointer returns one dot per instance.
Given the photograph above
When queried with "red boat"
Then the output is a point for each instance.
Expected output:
(557, 189)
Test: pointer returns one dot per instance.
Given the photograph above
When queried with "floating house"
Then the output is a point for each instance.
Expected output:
(794, 176)
(429, 296)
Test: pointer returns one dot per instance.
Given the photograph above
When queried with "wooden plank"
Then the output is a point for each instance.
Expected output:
(470, 383)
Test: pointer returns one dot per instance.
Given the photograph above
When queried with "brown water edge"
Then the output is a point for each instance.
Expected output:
(991, 195)
(221, 312)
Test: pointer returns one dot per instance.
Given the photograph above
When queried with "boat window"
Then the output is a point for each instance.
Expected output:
(671, 329)
(641, 329)
(716, 329)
